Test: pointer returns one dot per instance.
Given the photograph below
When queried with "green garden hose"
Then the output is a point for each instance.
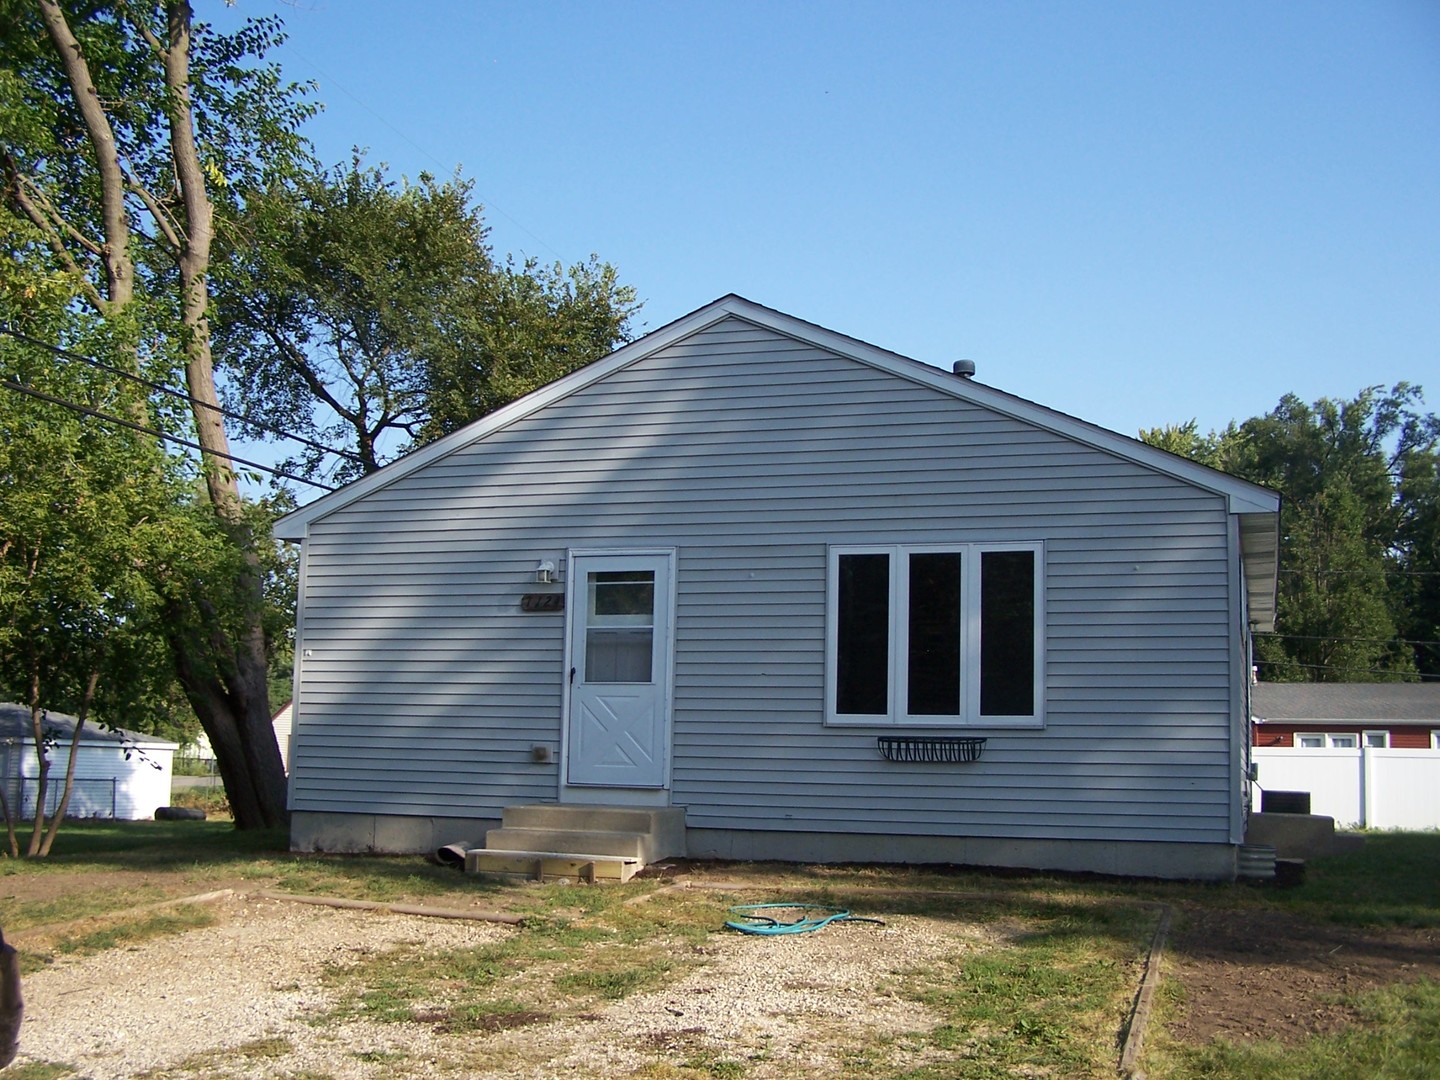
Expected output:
(749, 921)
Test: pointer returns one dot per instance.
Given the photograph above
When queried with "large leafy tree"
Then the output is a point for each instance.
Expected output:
(1359, 540)
(130, 134)
(90, 518)
(370, 315)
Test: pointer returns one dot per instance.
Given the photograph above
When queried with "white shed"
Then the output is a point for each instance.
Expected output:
(118, 774)
(832, 603)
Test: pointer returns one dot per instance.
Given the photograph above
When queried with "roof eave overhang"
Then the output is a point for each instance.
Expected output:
(1260, 556)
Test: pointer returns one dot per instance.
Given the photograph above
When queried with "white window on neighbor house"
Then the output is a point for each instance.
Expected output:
(1376, 740)
(1435, 740)
(1327, 740)
(946, 635)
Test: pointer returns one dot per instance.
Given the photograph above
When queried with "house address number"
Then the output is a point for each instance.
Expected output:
(539, 601)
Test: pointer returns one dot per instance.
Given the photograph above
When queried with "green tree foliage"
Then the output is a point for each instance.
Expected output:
(371, 315)
(130, 136)
(91, 520)
(1359, 595)
(535, 324)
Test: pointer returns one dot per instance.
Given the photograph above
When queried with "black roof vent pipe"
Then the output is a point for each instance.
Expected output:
(964, 368)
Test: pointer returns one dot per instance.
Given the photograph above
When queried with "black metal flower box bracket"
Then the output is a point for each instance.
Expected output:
(929, 748)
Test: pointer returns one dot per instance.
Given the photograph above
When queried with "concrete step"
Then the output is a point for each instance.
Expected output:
(661, 829)
(630, 845)
(604, 818)
(550, 865)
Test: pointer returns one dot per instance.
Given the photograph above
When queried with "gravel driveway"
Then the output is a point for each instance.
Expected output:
(239, 999)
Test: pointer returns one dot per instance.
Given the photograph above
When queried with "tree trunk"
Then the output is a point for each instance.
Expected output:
(233, 706)
(69, 788)
(239, 712)
(10, 836)
(246, 751)
(42, 779)
(119, 269)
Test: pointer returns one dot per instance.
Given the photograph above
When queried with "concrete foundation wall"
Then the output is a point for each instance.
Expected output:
(383, 834)
(379, 833)
(1195, 862)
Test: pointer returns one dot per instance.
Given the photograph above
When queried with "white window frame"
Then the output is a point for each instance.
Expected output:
(1381, 737)
(899, 632)
(1328, 738)
(1435, 740)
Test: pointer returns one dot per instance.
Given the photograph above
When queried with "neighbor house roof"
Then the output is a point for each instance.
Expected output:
(15, 725)
(1257, 508)
(1285, 702)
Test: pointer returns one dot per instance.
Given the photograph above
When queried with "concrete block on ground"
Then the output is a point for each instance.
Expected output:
(550, 866)
(590, 841)
(1293, 836)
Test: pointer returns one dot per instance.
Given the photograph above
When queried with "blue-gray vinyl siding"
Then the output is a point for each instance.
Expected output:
(424, 687)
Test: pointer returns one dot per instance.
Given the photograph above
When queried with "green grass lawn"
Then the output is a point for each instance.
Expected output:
(1051, 1000)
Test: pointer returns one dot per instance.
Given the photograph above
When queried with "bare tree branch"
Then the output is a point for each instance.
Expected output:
(42, 201)
(53, 239)
(168, 227)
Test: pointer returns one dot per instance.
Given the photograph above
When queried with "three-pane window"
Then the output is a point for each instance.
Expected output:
(935, 635)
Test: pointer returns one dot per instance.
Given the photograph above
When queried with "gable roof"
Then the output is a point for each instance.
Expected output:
(1282, 702)
(15, 725)
(1257, 507)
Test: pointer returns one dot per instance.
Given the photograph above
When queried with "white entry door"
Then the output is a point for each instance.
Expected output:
(619, 715)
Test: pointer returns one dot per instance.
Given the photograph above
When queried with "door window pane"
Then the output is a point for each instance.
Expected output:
(1007, 633)
(619, 626)
(862, 661)
(934, 662)
(620, 596)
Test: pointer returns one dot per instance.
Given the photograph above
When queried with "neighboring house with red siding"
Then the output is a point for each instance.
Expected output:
(1347, 716)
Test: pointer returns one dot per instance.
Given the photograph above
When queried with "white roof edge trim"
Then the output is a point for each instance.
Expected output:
(1242, 496)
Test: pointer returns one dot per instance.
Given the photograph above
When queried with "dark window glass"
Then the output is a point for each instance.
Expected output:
(862, 660)
(1007, 633)
(934, 664)
(620, 626)
(623, 592)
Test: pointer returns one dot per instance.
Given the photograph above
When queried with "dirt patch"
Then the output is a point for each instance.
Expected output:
(1251, 975)
(448, 1022)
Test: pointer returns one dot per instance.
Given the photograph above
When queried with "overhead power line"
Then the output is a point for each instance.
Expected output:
(172, 392)
(1334, 667)
(1381, 572)
(1350, 640)
(142, 429)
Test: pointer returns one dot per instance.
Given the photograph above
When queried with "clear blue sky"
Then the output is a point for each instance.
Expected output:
(1134, 212)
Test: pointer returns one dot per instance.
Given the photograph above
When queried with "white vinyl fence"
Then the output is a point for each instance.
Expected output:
(1379, 789)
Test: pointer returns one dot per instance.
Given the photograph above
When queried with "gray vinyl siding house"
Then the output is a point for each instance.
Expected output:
(787, 495)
